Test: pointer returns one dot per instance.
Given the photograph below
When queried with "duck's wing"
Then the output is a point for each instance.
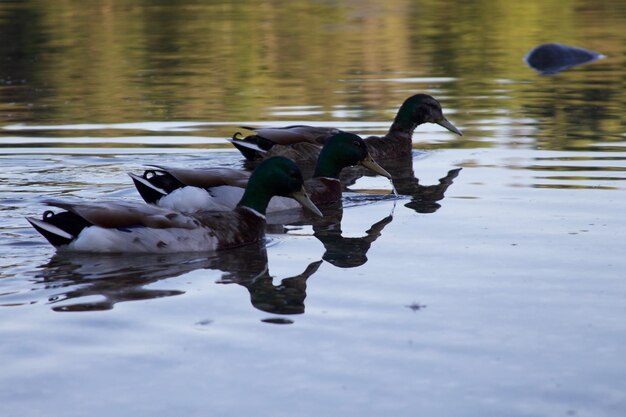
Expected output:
(116, 214)
(290, 135)
(300, 143)
(207, 177)
(262, 143)
(250, 147)
(305, 154)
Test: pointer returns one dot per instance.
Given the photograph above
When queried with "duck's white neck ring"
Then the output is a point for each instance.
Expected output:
(253, 211)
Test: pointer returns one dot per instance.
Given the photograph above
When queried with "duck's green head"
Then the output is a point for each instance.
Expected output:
(421, 108)
(276, 176)
(343, 150)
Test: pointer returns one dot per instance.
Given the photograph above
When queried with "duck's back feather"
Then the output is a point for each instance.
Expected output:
(379, 147)
(290, 135)
(208, 177)
(306, 142)
(112, 214)
(299, 152)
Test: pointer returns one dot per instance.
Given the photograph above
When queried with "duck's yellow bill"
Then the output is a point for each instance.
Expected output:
(302, 197)
(369, 163)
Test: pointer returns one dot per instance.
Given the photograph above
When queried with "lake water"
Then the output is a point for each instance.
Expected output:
(495, 290)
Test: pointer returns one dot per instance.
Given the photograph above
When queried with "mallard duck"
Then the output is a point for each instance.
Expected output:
(138, 227)
(304, 142)
(192, 189)
(188, 190)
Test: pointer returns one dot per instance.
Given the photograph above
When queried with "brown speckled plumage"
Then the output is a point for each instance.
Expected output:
(234, 228)
(324, 190)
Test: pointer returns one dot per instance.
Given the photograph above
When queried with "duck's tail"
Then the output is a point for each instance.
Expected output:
(251, 147)
(59, 229)
(150, 193)
(153, 187)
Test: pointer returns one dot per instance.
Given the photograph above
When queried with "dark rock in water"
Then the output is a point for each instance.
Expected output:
(551, 58)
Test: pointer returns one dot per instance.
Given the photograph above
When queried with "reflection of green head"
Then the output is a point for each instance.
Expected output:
(345, 260)
(276, 176)
(340, 151)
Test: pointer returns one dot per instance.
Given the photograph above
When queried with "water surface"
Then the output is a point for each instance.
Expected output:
(494, 285)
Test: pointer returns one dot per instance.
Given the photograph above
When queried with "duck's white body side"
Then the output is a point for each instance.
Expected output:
(193, 199)
(222, 198)
(142, 239)
(137, 239)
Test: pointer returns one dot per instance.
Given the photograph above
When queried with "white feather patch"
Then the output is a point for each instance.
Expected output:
(143, 239)
(282, 203)
(221, 198)
(192, 199)
(227, 195)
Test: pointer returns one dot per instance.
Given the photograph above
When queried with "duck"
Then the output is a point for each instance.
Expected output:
(192, 189)
(303, 143)
(136, 227)
(189, 190)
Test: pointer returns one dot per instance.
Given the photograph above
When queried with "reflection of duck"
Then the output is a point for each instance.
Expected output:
(303, 143)
(286, 298)
(424, 197)
(125, 227)
(249, 268)
(345, 252)
(98, 282)
(221, 189)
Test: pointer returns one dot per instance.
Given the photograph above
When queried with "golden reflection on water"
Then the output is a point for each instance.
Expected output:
(120, 61)
(116, 77)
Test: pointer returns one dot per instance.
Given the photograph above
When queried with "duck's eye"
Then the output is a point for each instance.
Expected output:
(357, 143)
